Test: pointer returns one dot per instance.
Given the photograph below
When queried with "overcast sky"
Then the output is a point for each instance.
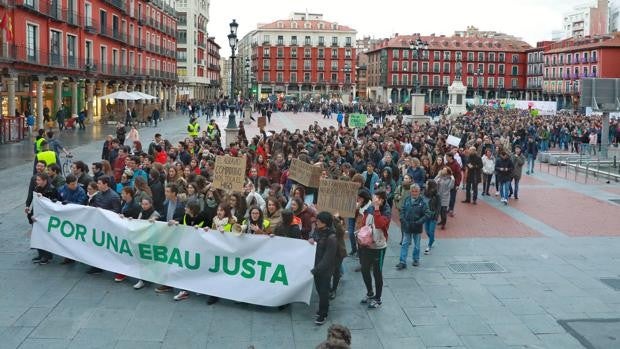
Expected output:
(532, 20)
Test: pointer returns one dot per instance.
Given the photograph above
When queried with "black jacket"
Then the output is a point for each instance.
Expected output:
(474, 173)
(178, 214)
(158, 195)
(108, 200)
(504, 168)
(326, 248)
(130, 210)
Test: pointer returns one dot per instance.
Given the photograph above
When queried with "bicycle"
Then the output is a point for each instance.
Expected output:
(66, 164)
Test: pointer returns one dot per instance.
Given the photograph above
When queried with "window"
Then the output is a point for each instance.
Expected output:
(321, 77)
(446, 80)
(480, 68)
(425, 67)
(470, 81)
(425, 80)
(515, 70)
(293, 40)
(307, 40)
(481, 56)
(470, 68)
(32, 41)
(293, 52)
(435, 67)
(89, 53)
(470, 56)
(104, 58)
(334, 41)
(394, 65)
(347, 41)
(55, 48)
(321, 40)
(491, 68)
(480, 81)
(395, 54)
(306, 77)
(280, 40)
(436, 55)
(405, 66)
(266, 64)
(334, 77)
(502, 56)
(266, 77)
(307, 52)
(103, 21)
(414, 67)
(71, 51)
(266, 52)
(279, 77)
(321, 65)
(280, 52)
(491, 56)
(405, 79)
(88, 15)
(446, 67)
(293, 77)
(334, 65)
(394, 79)
(347, 53)
(436, 80)
(265, 39)
(321, 53)
(515, 58)
(293, 65)
(334, 53)
(405, 54)
(280, 64)
(307, 64)
(514, 82)
(500, 82)
(501, 69)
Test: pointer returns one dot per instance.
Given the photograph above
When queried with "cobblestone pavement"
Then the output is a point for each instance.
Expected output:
(555, 244)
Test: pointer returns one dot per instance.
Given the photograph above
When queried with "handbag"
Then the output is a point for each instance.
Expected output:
(364, 236)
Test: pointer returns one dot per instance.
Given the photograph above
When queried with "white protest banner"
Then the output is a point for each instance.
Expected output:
(304, 173)
(247, 268)
(455, 141)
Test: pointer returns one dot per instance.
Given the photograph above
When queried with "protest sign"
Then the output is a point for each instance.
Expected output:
(229, 173)
(247, 268)
(455, 141)
(261, 121)
(338, 197)
(357, 120)
(304, 173)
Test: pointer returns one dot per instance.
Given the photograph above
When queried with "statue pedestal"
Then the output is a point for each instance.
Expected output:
(456, 98)
(231, 136)
(417, 110)
(247, 113)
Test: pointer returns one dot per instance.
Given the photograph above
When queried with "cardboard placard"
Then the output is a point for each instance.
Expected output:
(338, 197)
(455, 141)
(304, 173)
(262, 121)
(229, 173)
(357, 120)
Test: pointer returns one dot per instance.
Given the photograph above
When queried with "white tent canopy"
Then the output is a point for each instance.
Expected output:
(124, 95)
(141, 95)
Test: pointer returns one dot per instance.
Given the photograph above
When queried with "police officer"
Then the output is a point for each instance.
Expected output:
(46, 155)
(193, 128)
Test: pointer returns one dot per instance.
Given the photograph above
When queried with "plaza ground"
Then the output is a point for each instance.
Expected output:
(554, 246)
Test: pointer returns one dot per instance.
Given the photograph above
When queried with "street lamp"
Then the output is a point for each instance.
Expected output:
(418, 45)
(247, 77)
(232, 41)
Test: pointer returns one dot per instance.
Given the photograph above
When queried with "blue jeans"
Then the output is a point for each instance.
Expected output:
(504, 189)
(429, 228)
(404, 249)
(530, 163)
(516, 187)
(351, 230)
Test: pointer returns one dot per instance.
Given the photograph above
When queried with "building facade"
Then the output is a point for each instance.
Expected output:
(535, 69)
(567, 62)
(197, 54)
(589, 19)
(67, 54)
(301, 57)
(491, 67)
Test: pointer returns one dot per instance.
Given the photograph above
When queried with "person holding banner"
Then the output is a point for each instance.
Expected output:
(378, 215)
(43, 187)
(324, 262)
(255, 224)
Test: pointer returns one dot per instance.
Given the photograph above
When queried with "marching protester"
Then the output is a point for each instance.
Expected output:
(413, 215)
(324, 262)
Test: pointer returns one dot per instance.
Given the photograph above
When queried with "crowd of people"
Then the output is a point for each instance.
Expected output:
(406, 173)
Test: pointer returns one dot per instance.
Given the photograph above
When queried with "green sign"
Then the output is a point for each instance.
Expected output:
(357, 120)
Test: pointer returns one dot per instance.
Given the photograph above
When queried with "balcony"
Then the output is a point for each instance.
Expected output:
(119, 4)
(71, 17)
(90, 25)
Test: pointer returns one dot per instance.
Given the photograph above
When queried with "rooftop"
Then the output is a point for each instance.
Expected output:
(443, 42)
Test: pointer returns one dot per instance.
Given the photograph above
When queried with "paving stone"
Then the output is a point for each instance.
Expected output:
(45, 343)
(392, 323)
(103, 318)
(483, 342)
(523, 306)
(516, 334)
(408, 342)
(8, 315)
(423, 316)
(13, 336)
(564, 341)
(143, 329)
(56, 328)
(33, 316)
(465, 325)
(91, 338)
(438, 336)
(185, 337)
(134, 344)
(541, 324)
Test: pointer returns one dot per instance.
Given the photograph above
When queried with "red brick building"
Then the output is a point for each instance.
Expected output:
(70, 52)
(567, 61)
(492, 67)
(300, 57)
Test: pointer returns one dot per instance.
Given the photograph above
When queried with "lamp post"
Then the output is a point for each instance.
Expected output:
(418, 45)
(232, 41)
(247, 77)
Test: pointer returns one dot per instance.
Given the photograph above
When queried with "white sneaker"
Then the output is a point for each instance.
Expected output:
(138, 285)
(496, 193)
(427, 251)
(181, 296)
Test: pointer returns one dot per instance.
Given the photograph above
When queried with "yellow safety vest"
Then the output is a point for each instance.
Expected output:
(193, 130)
(37, 144)
(48, 156)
